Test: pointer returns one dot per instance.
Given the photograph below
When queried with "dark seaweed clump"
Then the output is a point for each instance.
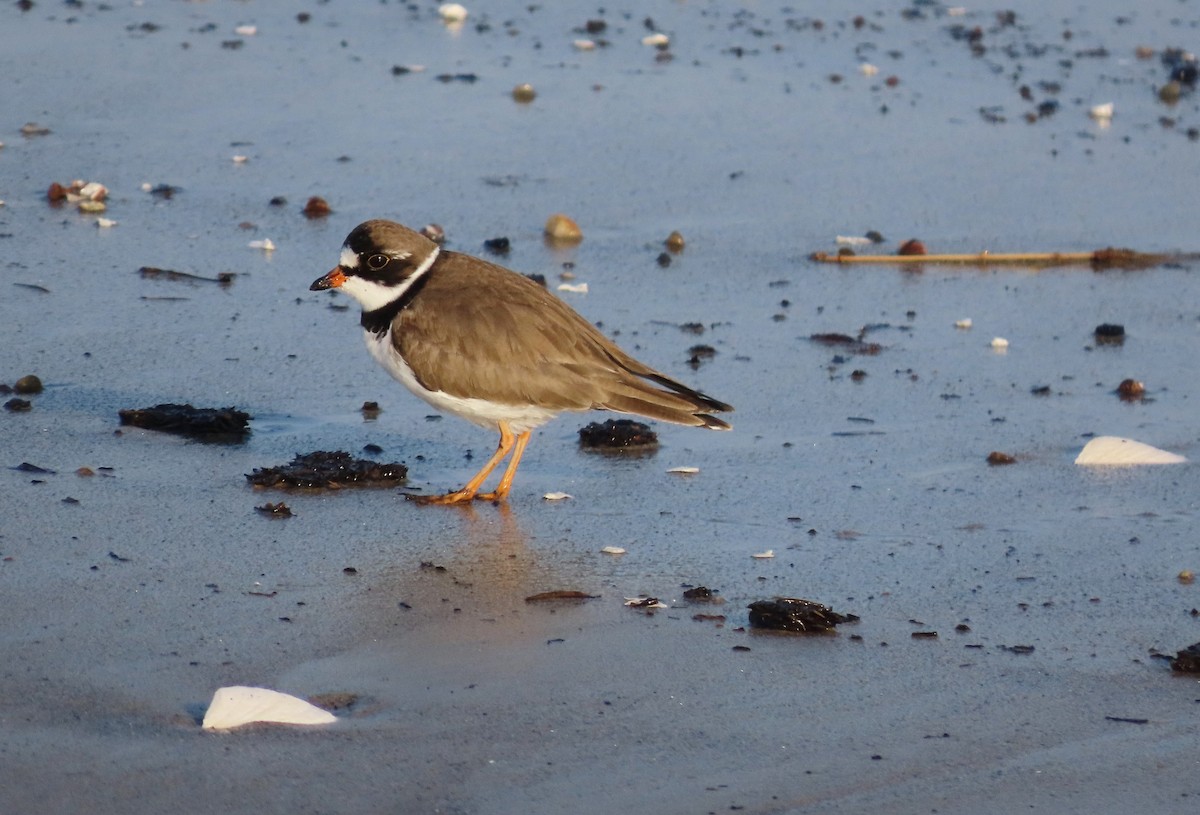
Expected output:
(326, 470)
(794, 614)
(617, 434)
(207, 423)
(1187, 660)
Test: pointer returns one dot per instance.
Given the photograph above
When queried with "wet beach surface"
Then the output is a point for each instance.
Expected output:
(131, 594)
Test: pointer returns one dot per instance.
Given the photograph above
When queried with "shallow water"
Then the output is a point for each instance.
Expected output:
(125, 611)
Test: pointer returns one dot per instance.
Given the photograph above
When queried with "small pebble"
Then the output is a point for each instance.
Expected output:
(999, 343)
(28, 384)
(656, 40)
(561, 228)
(524, 93)
(1187, 577)
(613, 550)
(674, 242)
(964, 323)
(557, 496)
(316, 207)
(1131, 389)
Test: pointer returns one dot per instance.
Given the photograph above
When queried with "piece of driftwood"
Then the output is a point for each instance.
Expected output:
(1109, 258)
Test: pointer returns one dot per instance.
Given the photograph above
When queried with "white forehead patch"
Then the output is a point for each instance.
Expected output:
(348, 259)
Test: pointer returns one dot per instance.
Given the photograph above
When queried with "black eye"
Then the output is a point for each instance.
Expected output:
(377, 262)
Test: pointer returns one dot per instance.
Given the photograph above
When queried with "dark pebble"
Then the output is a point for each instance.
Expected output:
(996, 458)
(1109, 334)
(498, 246)
(15, 405)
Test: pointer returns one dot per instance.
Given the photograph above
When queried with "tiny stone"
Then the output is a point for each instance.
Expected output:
(28, 384)
(524, 93)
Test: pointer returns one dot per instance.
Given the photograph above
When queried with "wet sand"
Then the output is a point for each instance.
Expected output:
(132, 594)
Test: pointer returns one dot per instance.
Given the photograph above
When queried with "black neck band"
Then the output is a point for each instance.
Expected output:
(380, 320)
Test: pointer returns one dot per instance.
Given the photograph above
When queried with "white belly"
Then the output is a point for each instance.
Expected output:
(477, 411)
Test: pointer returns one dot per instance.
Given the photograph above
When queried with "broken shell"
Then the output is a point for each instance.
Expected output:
(452, 12)
(684, 470)
(561, 228)
(105, 223)
(246, 30)
(435, 233)
(999, 343)
(238, 705)
(1114, 450)
(584, 45)
(613, 550)
(657, 40)
(1102, 112)
(93, 191)
(557, 496)
(574, 288)
(92, 207)
(267, 245)
(964, 323)
(770, 553)
(867, 69)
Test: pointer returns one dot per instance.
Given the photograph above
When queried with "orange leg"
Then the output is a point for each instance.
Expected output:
(506, 482)
(468, 492)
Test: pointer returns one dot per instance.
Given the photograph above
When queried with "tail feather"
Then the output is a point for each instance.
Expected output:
(664, 406)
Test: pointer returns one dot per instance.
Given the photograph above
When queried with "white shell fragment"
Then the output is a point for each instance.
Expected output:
(557, 496)
(770, 553)
(452, 12)
(999, 343)
(584, 45)
(964, 323)
(240, 159)
(267, 245)
(613, 550)
(237, 705)
(867, 69)
(1118, 451)
(103, 223)
(574, 288)
(1102, 112)
(851, 240)
(684, 470)
(246, 30)
(657, 40)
